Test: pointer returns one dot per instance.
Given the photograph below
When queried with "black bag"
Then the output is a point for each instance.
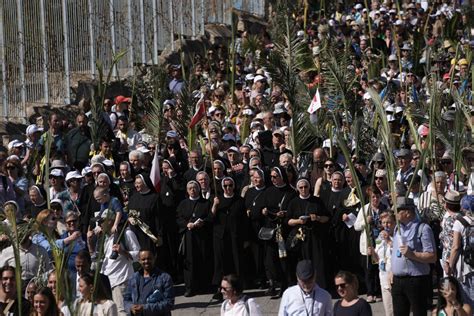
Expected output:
(266, 233)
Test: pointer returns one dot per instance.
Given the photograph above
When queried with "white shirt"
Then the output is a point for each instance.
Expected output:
(295, 302)
(34, 260)
(120, 270)
(239, 308)
(462, 268)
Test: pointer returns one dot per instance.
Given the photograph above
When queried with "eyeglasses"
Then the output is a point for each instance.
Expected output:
(226, 289)
(341, 285)
(74, 221)
(329, 166)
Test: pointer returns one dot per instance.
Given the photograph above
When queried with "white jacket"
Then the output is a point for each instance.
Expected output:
(359, 226)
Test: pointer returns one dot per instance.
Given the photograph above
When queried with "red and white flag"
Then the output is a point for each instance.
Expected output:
(200, 112)
(155, 172)
(315, 103)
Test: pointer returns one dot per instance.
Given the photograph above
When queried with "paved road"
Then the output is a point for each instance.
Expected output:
(202, 304)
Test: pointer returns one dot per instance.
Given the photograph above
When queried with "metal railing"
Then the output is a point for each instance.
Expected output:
(47, 45)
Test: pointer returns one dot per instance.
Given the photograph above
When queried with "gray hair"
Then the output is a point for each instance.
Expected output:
(136, 153)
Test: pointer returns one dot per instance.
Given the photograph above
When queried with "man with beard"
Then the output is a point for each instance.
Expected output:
(78, 143)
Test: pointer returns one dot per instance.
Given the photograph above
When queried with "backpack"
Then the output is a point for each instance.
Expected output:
(468, 249)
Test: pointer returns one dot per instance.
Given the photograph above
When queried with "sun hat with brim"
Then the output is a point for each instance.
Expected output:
(57, 164)
(452, 197)
(305, 270)
(15, 144)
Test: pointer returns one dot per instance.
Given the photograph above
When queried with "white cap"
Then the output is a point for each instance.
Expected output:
(233, 148)
(398, 109)
(33, 128)
(86, 170)
(249, 77)
(367, 96)
(259, 78)
(390, 118)
(108, 163)
(358, 6)
(398, 22)
(73, 175)
(389, 109)
(56, 173)
(15, 144)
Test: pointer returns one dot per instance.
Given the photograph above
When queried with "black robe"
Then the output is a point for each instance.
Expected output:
(344, 241)
(277, 199)
(229, 234)
(254, 203)
(316, 233)
(196, 244)
(147, 206)
(172, 192)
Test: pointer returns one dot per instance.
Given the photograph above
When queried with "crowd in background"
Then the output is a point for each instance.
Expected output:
(112, 223)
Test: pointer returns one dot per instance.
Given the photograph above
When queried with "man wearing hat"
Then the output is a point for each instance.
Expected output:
(177, 83)
(452, 207)
(305, 298)
(414, 249)
(405, 173)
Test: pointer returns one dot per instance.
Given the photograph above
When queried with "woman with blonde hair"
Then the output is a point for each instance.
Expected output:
(46, 222)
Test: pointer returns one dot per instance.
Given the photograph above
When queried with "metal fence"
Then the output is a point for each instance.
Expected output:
(48, 45)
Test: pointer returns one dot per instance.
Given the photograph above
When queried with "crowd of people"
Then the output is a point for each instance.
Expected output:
(112, 223)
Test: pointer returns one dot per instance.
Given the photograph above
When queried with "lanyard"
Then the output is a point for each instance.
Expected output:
(313, 296)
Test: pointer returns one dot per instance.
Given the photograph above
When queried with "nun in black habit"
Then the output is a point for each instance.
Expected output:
(171, 193)
(254, 203)
(307, 215)
(276, 199)
(229, 232)
(195, 229)
(146, 202)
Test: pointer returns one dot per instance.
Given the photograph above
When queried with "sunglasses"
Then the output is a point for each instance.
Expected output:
(378, 178)
(446, 162)
(341, 286)
(328, 166)
(303, 187)
(274, 177)
(228, 186)
(74, 221)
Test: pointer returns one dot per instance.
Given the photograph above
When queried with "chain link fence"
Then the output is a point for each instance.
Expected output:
(46, 46)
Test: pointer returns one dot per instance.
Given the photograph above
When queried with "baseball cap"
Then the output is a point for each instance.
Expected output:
(56, 173)
(305, 270)
(33, 128)
(121, 99)
(73, 175)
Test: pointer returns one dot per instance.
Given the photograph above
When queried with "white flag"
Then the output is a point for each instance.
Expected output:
(315, 103)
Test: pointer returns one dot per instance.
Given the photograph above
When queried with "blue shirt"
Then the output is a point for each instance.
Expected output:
(419, 239)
